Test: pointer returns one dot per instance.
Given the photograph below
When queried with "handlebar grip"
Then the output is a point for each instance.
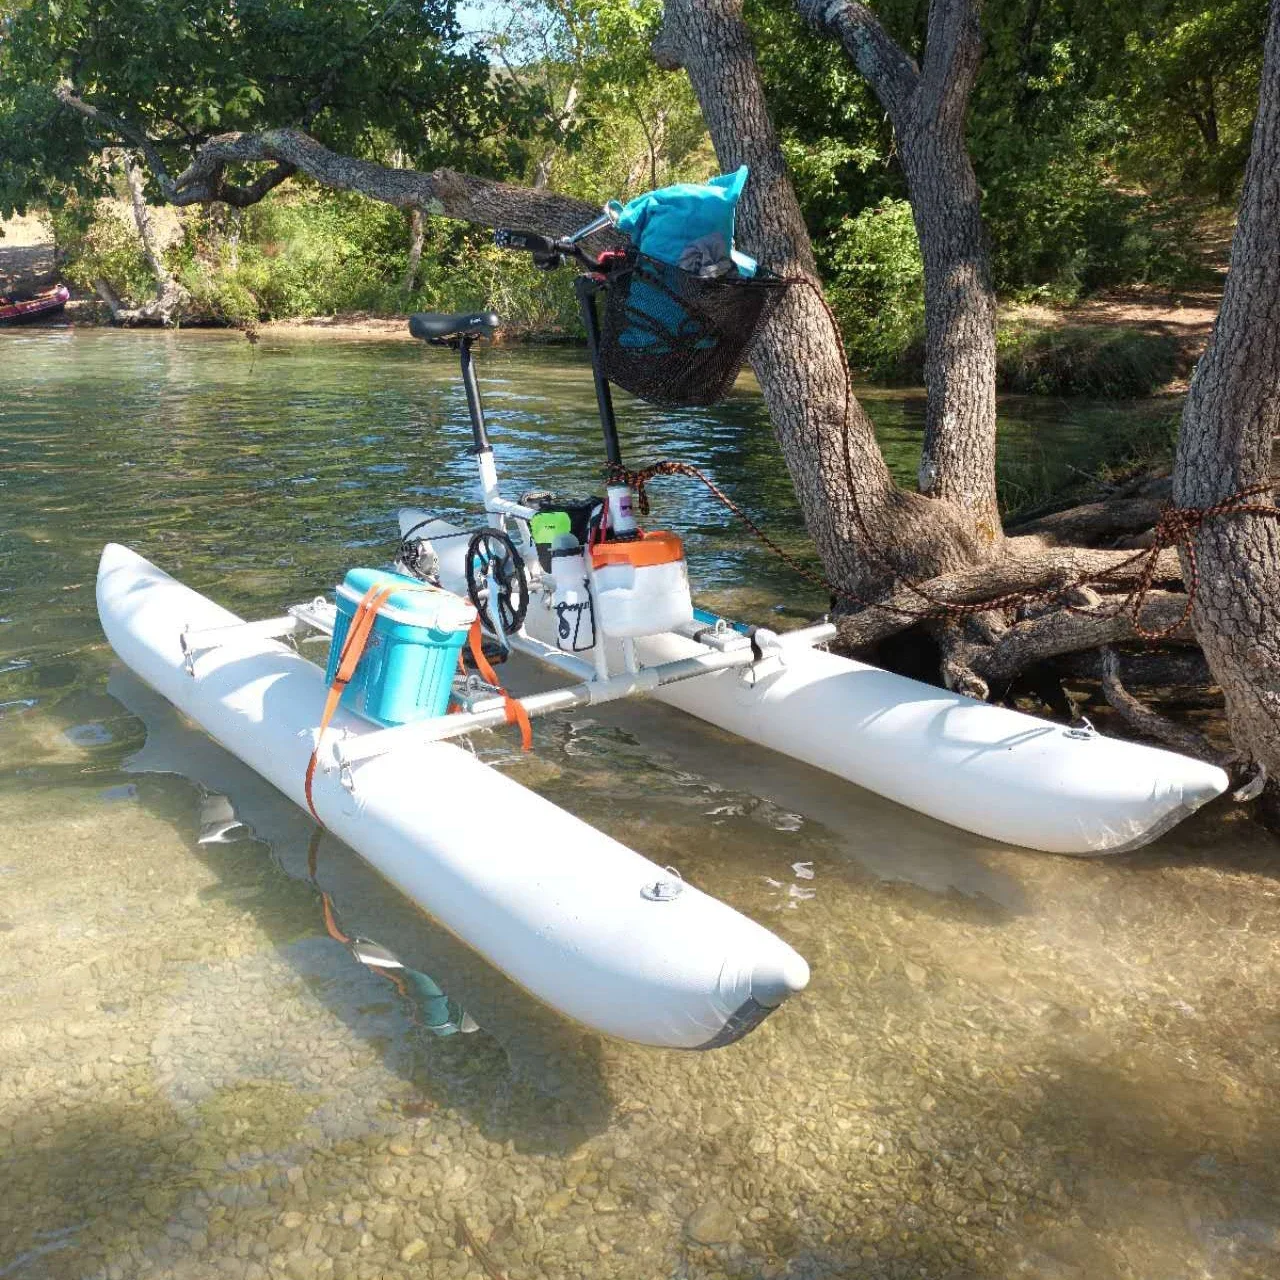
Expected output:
(525, 240)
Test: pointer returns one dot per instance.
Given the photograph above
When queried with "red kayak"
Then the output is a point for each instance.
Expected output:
(19, 308)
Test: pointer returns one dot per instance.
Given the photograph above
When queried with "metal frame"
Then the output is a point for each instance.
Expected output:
(722, 649)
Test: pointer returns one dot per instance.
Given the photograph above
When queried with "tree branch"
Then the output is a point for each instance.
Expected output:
(953, 50)
(243, 196)
(892, 75)
(972, 663)
(1024, 568)
(443, 192)
(1092, 521)
(1151, 723)
(66, 94)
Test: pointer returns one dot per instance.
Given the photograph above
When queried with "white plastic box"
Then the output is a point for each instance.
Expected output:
(641, 585)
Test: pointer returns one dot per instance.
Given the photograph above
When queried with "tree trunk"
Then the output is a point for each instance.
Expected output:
(142, 221)
(560, 122)
(1231, 414)
(798, 358)
(417, 236)
(927, 107)
(170, 297)
(958, 460)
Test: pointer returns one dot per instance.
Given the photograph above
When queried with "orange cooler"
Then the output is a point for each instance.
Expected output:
(641, 585)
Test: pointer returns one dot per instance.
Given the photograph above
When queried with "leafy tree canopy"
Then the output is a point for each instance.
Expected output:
(353, 72)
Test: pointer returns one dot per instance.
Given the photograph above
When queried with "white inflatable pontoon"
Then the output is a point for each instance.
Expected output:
(584, 923)
(987, 769)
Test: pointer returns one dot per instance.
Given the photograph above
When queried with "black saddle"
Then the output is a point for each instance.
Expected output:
(435, 326)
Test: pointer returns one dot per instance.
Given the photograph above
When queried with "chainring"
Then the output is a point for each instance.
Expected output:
(490, 553)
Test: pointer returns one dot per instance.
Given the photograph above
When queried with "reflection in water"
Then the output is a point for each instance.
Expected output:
(365, 914)
(432, 1008)
(1005, 1065)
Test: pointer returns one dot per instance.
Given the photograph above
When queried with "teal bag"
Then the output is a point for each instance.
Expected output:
(664, 223)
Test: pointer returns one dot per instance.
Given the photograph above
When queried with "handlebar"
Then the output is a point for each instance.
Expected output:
(550, 253)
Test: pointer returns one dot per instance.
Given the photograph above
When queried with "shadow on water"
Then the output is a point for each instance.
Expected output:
(1145, 1139)
(103, 1172)
(553, 1093)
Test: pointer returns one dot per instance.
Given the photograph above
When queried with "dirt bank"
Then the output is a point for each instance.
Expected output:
(26, 253)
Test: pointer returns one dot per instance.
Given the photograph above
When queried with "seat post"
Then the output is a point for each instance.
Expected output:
(474, 407)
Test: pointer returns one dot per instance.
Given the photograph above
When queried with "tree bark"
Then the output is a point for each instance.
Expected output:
(442, 192)
(417, 237)
(798, 358)
(171, 298)
(927, 107)
(142, 222)
(1231, 414)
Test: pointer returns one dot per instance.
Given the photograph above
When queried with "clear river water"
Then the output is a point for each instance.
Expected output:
(1006, 1065)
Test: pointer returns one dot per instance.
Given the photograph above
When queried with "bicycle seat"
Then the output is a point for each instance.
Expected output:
(436, 326)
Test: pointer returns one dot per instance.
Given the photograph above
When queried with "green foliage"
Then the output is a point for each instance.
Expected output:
(471, 272)
(1082, 129)
(605, 121)
(98, 243)
(835, 134)
(1192, 107)
(354, 71)
(875, 283)
(1103, 362)
(1091, 125)
(309, 253)
(1066, 229)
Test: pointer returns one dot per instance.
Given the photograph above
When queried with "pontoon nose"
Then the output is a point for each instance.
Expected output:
(782, 975)
(1205, 785)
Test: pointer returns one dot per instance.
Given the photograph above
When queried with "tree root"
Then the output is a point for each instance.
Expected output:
(1093, 522)
(1023, 568)
(1150, 723)
(162, 312)
(1185, 669)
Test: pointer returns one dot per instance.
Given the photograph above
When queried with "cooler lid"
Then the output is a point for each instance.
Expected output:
(655, 547)
(418, 604)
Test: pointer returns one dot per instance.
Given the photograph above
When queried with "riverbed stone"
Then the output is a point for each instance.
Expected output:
(710, 1223)
(414, 1249)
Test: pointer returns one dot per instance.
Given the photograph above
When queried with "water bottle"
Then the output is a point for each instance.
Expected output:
(622, 516)
(571, 598)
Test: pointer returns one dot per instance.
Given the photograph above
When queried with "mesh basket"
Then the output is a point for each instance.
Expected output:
(678, 339)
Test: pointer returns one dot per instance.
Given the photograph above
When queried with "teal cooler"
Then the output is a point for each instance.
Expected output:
(406, 670)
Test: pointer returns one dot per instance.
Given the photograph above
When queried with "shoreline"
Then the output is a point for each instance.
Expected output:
(1130, 343)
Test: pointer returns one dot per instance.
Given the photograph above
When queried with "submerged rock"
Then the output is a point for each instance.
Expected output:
(710, 1223)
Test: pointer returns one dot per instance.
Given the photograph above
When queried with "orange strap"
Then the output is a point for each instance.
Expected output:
(516, 714)
(353, 648)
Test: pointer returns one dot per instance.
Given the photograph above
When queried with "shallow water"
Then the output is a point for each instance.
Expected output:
(1007, 1064)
